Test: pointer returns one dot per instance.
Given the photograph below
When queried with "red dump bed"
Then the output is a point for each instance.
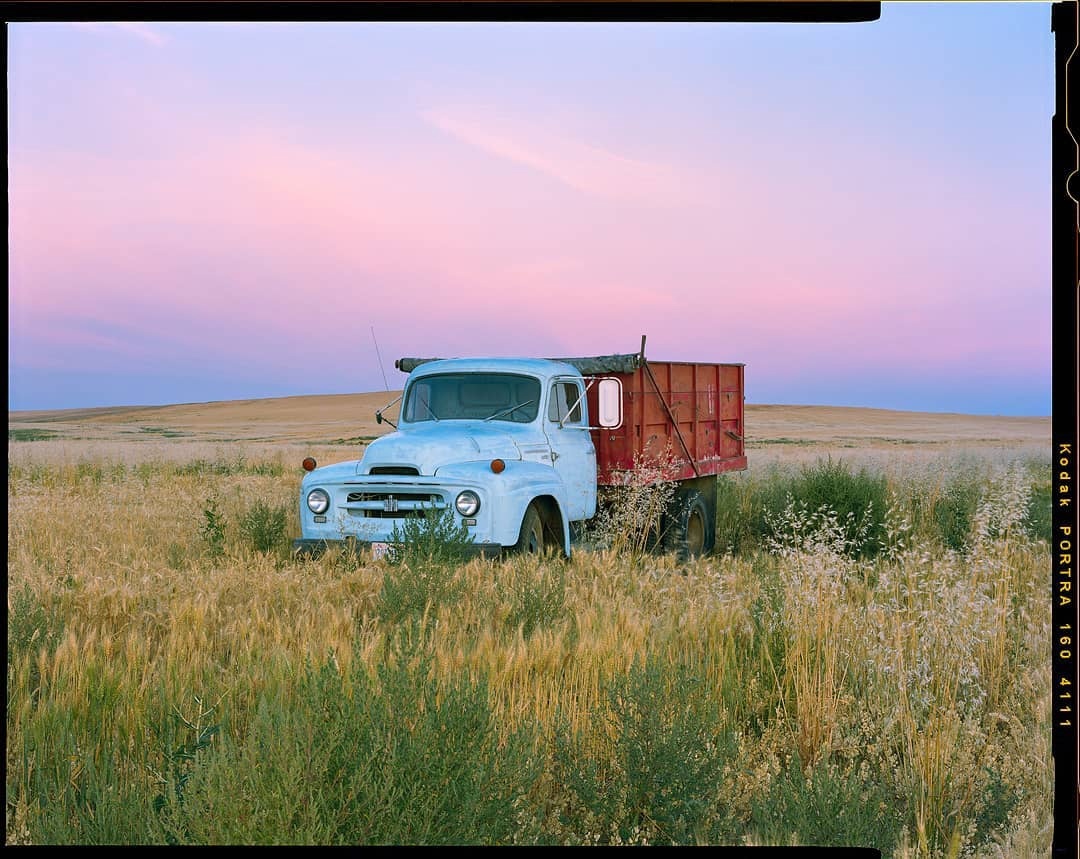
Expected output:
(687, 417)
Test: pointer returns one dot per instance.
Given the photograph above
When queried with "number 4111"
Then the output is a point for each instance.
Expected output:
(1064, 642)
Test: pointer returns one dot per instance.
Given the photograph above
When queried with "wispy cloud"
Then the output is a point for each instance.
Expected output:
(590, 169)
(140, 29)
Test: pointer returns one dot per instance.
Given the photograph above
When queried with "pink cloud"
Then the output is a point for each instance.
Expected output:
(581, 166)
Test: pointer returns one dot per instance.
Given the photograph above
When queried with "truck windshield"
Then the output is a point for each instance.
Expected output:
(472, 396)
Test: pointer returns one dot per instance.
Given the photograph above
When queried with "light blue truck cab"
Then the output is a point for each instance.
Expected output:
(502, 443)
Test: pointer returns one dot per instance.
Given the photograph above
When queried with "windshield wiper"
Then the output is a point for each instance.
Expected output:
(434, 416)
(507, 411)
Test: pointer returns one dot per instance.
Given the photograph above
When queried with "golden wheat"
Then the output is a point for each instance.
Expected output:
(926, 662)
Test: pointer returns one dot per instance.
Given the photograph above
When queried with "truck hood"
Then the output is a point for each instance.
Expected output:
(429, 447)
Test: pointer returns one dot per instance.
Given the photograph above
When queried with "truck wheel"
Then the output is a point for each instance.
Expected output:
(531, 539)
(690, 531)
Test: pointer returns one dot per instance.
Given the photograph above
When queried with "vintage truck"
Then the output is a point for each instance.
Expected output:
(522, 451)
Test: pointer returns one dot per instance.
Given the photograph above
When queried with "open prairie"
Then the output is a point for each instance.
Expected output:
(862, 661)
(333, 426)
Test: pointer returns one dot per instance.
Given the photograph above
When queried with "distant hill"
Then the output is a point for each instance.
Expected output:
(351, 417)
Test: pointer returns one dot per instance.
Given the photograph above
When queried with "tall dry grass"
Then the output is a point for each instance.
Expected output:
(762, 695)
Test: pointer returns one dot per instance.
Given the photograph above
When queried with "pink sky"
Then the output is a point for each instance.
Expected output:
(193, 218)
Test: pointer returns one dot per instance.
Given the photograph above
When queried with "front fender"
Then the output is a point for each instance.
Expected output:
(510, 493)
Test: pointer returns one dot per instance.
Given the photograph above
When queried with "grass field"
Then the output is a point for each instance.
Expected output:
(862, 661)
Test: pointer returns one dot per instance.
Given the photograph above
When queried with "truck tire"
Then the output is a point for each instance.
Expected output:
(531, 539)
(691, 530)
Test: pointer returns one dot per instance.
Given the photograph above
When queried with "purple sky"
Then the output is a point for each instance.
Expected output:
(859, 212)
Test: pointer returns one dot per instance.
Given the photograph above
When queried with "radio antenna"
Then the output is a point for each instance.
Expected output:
(379, 358)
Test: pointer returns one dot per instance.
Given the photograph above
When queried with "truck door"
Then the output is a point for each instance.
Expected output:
(572, 453)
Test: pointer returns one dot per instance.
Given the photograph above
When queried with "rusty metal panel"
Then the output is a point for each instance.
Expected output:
(694, 421)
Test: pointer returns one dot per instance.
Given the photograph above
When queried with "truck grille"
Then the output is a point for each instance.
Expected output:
(383, 504)
(412, 497)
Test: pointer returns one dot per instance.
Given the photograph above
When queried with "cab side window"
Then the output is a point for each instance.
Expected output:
(565, 403)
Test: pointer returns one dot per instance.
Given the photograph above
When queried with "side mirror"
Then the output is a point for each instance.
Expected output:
(379, 419)
(609, 403)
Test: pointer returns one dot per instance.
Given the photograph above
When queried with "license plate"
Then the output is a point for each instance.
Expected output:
(379, 550)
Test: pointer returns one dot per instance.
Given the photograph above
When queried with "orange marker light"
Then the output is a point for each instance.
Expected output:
(497, 465)
(309, 463)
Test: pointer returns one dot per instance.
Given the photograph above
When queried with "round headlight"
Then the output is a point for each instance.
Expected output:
(467, 503)
(318, 501)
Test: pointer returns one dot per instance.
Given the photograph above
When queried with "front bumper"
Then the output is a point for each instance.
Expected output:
(306, 548)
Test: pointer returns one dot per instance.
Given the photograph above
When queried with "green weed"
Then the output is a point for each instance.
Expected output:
(213, 527)
(1038, 521)
(164, 432)
(185, 743)
(840, 805)
(433, 539)
(223, 468)
(390, 756)
(264, 525)
(536, 594)
(29, 434)
(663, 778)
(747, 505)
(858, 498)
(29, 624)
(422, 565)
